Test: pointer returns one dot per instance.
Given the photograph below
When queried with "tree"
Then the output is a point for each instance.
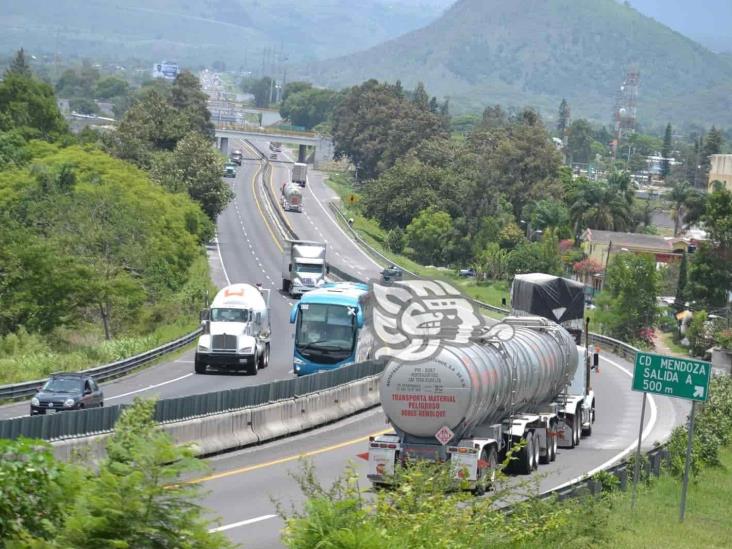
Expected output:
(712, 145)
(83, 105)
(261, 89)
(19, 65)
(666, 152)
(111, 86)
(374, 125)
(678, 198)
(579, 141)
(292, 88)
(29, 105)
(680, 300)
(536, 257)
(428, 235)
(309, 107)
(563, 119)
(551, 213)
(598, 205)
(195, 167)
(492, 262)
(627, 305)
(187, 97)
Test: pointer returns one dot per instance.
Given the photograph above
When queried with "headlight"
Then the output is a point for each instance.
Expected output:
(320, 282)
(203, 348)
(35, 401)
(69, 402)
(246, 351)
(298, 361)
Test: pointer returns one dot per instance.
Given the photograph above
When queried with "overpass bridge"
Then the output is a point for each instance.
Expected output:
(322, 146)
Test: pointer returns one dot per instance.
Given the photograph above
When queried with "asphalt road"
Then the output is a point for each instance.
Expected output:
(246, 251)
(242, 486)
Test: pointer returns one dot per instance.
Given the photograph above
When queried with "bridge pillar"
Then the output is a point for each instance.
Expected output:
(223, 144)
(301, 150)
(323, 151)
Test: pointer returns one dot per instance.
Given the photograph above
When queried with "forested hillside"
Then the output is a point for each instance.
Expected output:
(534, 52)
(229, 31)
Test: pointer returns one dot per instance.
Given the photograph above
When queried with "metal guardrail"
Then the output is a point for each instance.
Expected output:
(101, 420)
(104, 372)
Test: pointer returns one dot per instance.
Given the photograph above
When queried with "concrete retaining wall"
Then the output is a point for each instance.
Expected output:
(221, 432)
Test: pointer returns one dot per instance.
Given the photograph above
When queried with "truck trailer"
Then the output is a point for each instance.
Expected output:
(522, 382)
(300, 173)
(304, 266)
(291, 197)
(236, 331)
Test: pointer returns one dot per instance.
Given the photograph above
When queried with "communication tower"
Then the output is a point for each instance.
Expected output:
(625, 109)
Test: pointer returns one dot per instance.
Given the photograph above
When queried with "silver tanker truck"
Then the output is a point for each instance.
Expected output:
(523, 380)
(291, 197)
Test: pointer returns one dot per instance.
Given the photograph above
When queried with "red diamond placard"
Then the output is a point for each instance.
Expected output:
(444, 435)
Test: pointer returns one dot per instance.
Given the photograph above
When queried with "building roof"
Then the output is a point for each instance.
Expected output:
(635, 240)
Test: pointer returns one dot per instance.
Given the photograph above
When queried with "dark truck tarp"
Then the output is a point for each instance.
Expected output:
(558, 299)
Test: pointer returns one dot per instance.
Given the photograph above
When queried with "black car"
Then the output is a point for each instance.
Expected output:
(466, 273)
(68, 391)
(236, 157)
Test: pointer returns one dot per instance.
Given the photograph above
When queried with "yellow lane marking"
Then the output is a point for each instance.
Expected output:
(261, 212)
(287, 459)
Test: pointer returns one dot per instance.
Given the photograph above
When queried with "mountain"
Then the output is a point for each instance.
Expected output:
(203, 31)
(534, 52)
(706, 21)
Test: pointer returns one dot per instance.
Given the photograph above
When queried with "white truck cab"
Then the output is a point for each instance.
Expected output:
(236, 331)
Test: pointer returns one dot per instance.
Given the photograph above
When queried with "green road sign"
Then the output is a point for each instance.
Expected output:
(672, 376)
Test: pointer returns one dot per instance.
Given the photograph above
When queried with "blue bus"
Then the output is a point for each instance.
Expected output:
(331, 328)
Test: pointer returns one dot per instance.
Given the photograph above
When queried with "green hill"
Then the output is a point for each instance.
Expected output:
(203, 31)
(534, 52)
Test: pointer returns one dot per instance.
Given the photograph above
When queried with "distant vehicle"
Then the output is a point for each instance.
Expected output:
(67, 391)
(236, 157)
(300, 173)
(230, 170)
(466, 273)
(276, 147)
(391, 274)
(236, 331)
(291, 197)
(273, 156)
(303, 266)
(331, 328)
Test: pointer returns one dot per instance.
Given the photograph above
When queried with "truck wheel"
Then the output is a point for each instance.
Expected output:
(255, 366)
(199, 367)
(285, 285)
(587, 431)
(554, 446)
(537, 450)
(524, 463)
(577, 425)
(547, 457)
(265, 357)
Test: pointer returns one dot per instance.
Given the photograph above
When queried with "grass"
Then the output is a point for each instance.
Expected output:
(487, 292)
(655, 521)
(676, 348)
(27, 357)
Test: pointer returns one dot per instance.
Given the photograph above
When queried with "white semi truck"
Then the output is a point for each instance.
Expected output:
(524, 380)
(236, 331)
(300, 173)
(304, 266)
(291, 197)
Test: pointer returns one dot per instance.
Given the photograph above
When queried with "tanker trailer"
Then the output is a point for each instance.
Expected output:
(470, 404)
(291, 197)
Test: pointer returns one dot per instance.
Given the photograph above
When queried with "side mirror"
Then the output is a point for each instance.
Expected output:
(327, 269)
(205, 326)
(289, 267)
(293, 314)
(204, 314)
(359, 319)
(595, 360)
(87, 391)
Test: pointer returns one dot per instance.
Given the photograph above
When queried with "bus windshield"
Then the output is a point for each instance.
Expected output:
(328, 329)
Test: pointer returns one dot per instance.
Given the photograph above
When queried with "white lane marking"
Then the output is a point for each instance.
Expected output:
(241, 523)
(327, 213)
(184, 361)
(221, 260)
(631, 447)
(150, 387)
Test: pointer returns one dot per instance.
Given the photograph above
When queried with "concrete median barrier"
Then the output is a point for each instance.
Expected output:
(217, 433)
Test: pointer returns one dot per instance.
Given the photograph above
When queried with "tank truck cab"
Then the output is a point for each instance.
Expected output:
(235, 331)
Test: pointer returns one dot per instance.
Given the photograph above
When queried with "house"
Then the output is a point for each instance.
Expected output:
(601, 246)
(720, 170)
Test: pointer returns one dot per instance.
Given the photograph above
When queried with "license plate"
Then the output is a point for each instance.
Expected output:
(51, 411)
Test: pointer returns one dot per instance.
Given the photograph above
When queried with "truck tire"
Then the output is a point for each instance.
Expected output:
(199, 367)
(577, 428)
(285, 285)
(537, 450)
(547, 457)
(264, 358)
(523, 465)
(587, 431)
(255, 365)
(555, 444)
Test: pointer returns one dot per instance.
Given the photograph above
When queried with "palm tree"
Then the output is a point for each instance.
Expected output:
(601, 205)
(678, 199)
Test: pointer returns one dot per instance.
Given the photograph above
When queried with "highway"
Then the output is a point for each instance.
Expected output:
(248, 249)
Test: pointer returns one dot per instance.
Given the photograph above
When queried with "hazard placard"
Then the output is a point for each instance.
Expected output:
(444, 435)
